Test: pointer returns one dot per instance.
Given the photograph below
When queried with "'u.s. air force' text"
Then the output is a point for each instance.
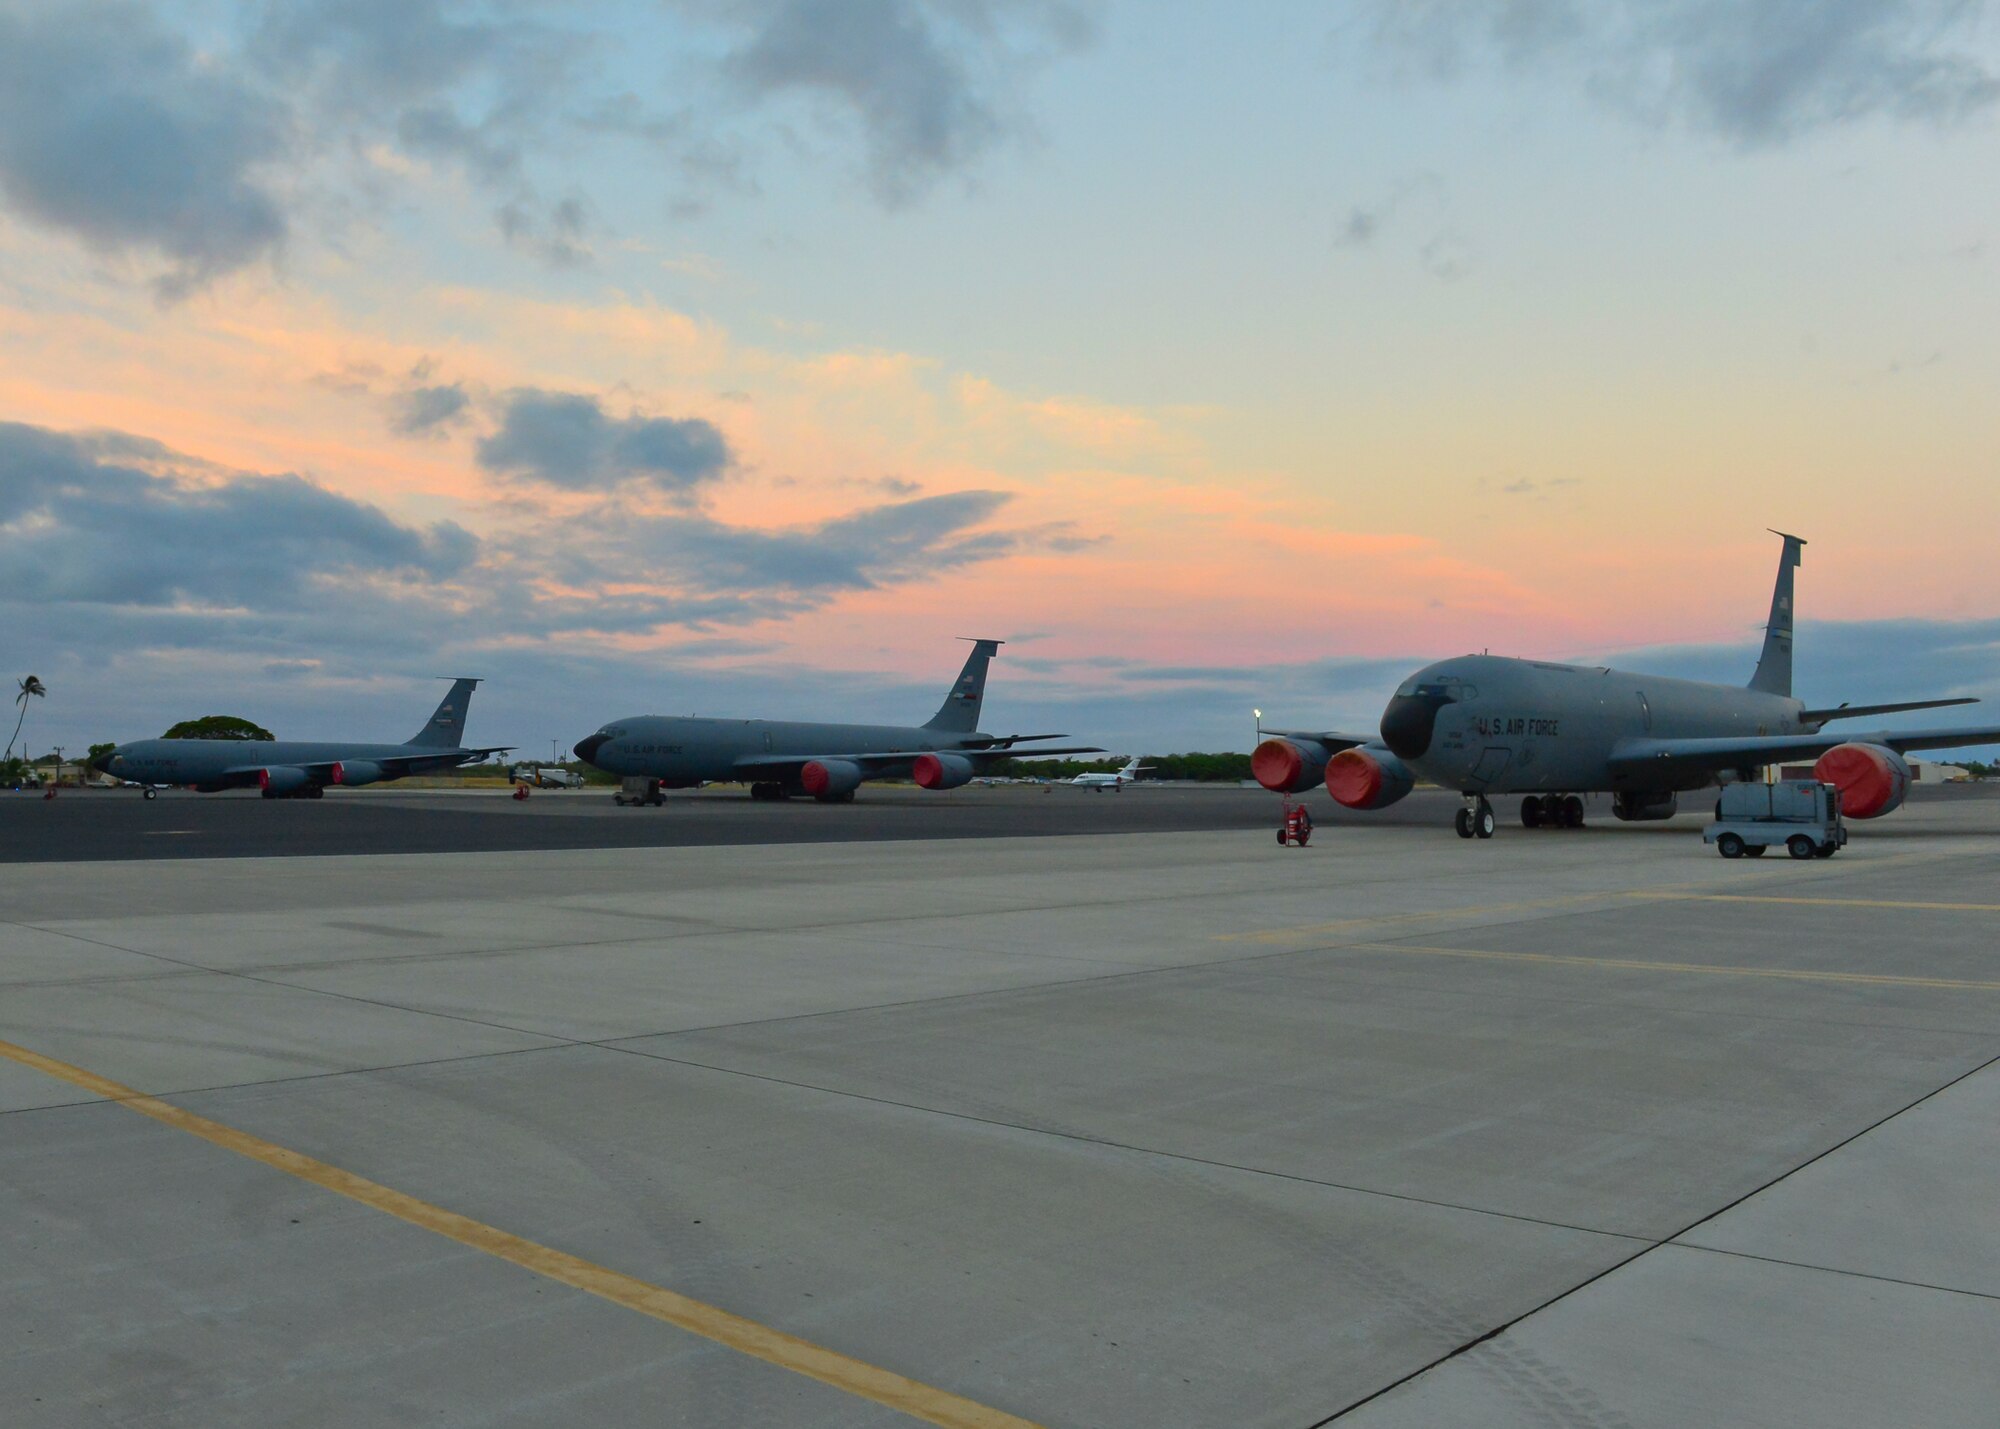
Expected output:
(1494, 726)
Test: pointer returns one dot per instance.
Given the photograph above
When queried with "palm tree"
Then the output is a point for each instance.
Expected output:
(32, 685)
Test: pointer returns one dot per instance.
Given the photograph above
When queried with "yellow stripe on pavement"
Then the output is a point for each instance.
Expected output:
(1828, 902)
(1641, 965)
(919, 1401)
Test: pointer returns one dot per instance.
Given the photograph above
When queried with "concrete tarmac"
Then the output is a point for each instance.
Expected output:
(117, 824)
(1163, 1128)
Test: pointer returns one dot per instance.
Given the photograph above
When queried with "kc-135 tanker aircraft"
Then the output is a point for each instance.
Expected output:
(290, 768)
(827, 761)
(1488, 725)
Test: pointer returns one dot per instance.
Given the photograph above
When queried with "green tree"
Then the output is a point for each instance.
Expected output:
(218, 727)
(31, 688)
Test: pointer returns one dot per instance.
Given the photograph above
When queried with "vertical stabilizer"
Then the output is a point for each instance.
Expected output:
(1774, 666)
(959, 714)
(446, 729)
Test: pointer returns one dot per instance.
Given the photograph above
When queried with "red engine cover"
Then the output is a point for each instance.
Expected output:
(1353, 779)
(815, 778)
(1285, 767)
(1367, 778)
(929, 771)
(1872, 780)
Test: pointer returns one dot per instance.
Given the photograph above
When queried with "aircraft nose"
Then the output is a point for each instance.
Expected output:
(587, 747)
(102, 764)
(1409, 720)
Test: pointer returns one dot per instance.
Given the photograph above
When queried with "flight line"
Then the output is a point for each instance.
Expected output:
(1481, 725)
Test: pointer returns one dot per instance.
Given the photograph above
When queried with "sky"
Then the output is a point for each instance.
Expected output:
(737, 356)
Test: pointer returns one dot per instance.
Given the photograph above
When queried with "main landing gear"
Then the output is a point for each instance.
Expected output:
(1476, 819)
(1556, 811)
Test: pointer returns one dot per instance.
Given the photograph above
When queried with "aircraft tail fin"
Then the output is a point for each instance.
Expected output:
(1774, 666)
(959, 714)
(446, 728)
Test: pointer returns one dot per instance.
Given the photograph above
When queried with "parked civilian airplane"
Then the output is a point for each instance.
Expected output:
(290, 768)
(1488, 725)
(1115, 782)
(778, 758)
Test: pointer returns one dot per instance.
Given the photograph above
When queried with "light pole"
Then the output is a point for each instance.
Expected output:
(1260, 725)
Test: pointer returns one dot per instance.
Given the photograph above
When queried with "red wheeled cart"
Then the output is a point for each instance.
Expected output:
(1297, 825)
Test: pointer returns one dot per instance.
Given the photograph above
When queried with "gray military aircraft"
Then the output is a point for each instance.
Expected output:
(1487, 725)
(290, 768)
(779, 758)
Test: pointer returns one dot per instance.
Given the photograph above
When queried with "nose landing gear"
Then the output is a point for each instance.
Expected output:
(1476, 819)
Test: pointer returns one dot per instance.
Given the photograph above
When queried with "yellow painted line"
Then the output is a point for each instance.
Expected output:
(1712, 969)
(919, 1401)
(1829, 902)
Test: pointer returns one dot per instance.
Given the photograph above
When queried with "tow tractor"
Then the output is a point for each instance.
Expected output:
(1296, 827)
(1801, 814)
(636, 789)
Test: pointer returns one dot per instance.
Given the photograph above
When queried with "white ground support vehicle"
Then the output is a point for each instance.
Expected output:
(545, 776)
(1801, 814)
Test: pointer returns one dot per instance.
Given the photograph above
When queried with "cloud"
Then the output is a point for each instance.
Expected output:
(888, 544)
(566, 439)
(1359, 228)
(364, 54)
(922, 79)
(1753, 74)
(428, 410)
(80, 522)
(113, 130)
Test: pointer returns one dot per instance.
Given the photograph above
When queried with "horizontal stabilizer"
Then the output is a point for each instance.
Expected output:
(1860, 711)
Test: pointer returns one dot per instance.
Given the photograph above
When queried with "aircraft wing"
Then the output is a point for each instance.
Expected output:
(387, 761)
(1333, 739)
(1635, 756)
(780, 763)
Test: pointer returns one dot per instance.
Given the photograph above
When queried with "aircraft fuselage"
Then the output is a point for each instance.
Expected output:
(206, 764)
(682, 751)
(1489, 724)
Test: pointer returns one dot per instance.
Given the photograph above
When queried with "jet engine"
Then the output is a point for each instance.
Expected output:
(1872, 780)
(830, 778)
(357, 772)
(1288, 766)
(943, 771)
(1639, 806)
(1367, 778)
(284, 779)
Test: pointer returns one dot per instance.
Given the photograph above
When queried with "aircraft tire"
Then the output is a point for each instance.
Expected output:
(1463, 823)
(1732, 846)
(150, 794)
(1825, 851)
(1800, 846)
(1483, 822)
(1572, 812)
(1531, 812)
